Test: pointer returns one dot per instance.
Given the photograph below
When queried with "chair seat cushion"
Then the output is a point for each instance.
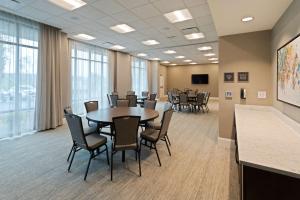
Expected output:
(95, 140)
(154, 125)
(150, 134)
(125, 147)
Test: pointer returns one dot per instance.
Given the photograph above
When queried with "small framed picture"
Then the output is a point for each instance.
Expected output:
(228, 95)
(243, 76)
(228, 77)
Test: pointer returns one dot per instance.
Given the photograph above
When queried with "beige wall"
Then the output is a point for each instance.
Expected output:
(248, 52)
(180, 77)
(285, 29)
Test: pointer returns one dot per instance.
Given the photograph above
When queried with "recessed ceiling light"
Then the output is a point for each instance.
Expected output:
(193, 63)
(83, 36)
(142, 54)
(194, 36)
(155, 58)
(209, 54)
(68, 4)
(118, 47)
(213, 59)
(122, 28)
(150, 42)
(173, 64)
(169, 52)
(204, 48)
(187, 61)
(179, 56)
(215, 62)
(178, 15)
(247, 19)
(165, 62)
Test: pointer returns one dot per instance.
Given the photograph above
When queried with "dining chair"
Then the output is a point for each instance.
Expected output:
(152, 135)
(87, 130)
(91, 143)
(157, 125)
(108, 99)
(183, 101)
(126, 138)
(113, 100)
(132, 100)
(206, 99)
(122, 103)
(152, 96)
(149, 104)
(174, 102)
(130, 92)
(200, 101)
(145, 93)
(89, 107)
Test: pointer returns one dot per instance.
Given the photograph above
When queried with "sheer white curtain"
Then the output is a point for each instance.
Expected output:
(90, 75)
(139, 77)
(19, 43)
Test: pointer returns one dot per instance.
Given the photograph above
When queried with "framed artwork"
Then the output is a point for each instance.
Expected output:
(228, 77)
(243, 76)
(288, 72)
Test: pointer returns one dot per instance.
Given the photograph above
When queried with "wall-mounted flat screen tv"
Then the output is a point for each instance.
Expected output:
(199, 78)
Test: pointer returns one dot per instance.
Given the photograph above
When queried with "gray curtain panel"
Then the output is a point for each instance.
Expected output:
(49, 96)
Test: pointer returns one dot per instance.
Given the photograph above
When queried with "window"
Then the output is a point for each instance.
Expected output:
(139, 75)
(18, 72)
(90, 75)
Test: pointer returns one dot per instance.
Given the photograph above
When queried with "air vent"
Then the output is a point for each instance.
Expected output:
(15, 1)
(171, 37)
(190, 30)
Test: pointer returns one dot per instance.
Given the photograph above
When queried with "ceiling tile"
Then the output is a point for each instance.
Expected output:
(191, 3)
(146, 11)
(200, 11)
(125, 17)
(108, 21)
(166, 6)
(89, 12)
(46, 6)
(33, 13)
(207, 19)
(132, 3)
(108, 6)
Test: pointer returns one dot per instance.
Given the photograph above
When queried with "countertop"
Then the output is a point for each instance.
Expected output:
(267, 139)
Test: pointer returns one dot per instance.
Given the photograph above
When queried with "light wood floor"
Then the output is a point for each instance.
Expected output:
(34, 167)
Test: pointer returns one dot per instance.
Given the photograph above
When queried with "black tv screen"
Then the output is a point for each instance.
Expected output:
(199, 78)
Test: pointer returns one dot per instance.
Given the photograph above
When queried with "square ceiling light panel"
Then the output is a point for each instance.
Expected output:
(68, 4)
(194, 36)
(178, 16)
(122, 28)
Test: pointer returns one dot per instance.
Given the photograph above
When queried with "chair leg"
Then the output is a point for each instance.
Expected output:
(70, 153)
(167, 145)
(74, 151)
(136, 155)
(88, 166)
(111, 165)
(157, 155)
(139, 152)
(168, 140)
(107, 157)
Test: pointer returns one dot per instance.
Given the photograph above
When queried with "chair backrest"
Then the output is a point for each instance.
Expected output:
(91, 106)
(170, 97)
(76, 129)
(152, 96)
(150, 104)
(145, 93)
(132, 100)
(122, 103)
(130, 92)
(183, 98)
(207, 97)
(167, 106)
(114, 93)
(200, 98)
(68, 110)
(113, 100)
(126, 130)
(108, 98)
(165, 122)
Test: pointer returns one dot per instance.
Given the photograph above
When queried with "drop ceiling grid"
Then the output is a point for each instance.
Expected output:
(98, 15)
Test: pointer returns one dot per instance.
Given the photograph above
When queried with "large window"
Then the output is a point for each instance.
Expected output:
(18, 69)
(139, 75)
(90, 75)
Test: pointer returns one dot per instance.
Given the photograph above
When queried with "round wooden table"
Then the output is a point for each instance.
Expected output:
(106, 115)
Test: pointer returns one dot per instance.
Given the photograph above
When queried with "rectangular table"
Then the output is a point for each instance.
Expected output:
(268, 148)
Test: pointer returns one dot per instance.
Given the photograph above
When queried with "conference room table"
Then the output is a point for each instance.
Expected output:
(106, 116)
